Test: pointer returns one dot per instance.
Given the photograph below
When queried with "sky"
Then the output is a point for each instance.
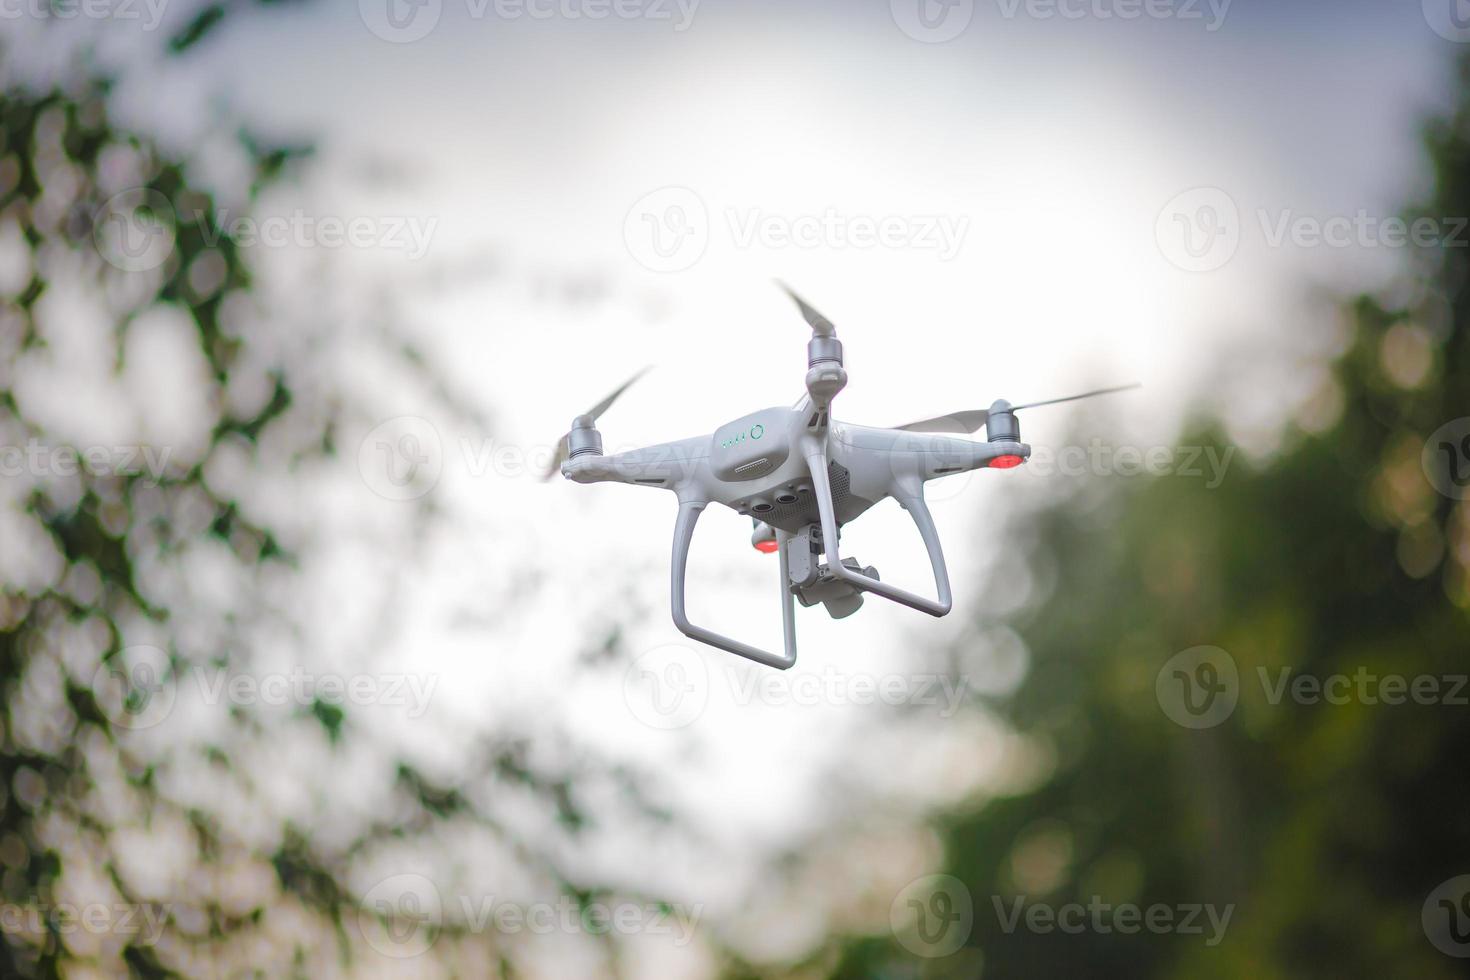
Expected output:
(998, 198)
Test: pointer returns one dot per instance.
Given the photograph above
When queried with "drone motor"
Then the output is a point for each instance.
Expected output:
(584, 437)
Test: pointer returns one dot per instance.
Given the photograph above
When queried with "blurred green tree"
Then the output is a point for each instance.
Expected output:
(87, 527)
(105, 226)
(103, 229)
(1325, 825)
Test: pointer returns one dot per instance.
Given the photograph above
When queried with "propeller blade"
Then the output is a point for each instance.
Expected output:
(962, 422)
(972, 420)
(596, 410)
(1085, 394)
(821, 326)
(563, 448)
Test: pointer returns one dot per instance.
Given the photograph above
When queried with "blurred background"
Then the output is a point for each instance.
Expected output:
(305, 670)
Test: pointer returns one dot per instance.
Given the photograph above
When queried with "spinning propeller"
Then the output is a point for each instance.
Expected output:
(973, 419)
(587, 421)
(825, 375)
(821, 326)
(825, 346)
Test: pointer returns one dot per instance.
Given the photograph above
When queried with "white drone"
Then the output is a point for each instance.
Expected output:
(800, 475)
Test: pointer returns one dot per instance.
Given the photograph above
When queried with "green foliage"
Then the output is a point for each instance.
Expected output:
(1325, 825)
(59, 139)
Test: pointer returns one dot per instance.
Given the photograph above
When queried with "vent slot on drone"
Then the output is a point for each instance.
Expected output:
(803, 510)
(753, 469)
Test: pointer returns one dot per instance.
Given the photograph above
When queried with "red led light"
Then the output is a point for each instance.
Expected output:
(1005, 462)
(766, 547)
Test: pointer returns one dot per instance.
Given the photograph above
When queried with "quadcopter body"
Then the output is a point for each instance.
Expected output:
(800, 475)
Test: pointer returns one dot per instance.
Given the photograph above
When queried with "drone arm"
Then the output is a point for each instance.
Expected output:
(910, 496)
(665, 465)
(689, 511)
(925, 456)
